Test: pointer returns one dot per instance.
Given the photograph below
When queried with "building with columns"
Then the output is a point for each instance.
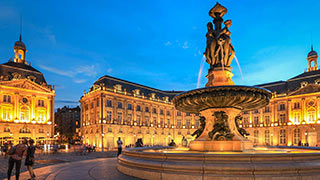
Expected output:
(26, 101)
(117, 108)
(293, 114)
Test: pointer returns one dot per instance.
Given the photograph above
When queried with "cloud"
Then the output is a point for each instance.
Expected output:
(57, 71)
(168, 43)
(109, 70)
(88, 70)
(79, 81)
(48, 34)
(185, 45)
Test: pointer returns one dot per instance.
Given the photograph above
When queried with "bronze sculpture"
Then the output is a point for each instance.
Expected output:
(219, 51)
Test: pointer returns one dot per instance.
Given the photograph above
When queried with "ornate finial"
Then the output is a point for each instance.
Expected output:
(311, 47)
(20, 38)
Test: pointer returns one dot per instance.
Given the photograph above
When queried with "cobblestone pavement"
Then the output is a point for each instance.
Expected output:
(94, 169)
(43, 160)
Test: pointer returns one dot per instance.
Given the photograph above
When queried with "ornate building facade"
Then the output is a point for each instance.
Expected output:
(26, 101)
(117, 108)
(293, 114)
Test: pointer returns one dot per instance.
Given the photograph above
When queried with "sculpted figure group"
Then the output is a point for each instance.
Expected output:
(219, 51)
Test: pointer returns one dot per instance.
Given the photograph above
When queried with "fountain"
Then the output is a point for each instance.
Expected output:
(221, 150)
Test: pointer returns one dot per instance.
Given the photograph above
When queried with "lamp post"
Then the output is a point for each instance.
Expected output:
(306, 135)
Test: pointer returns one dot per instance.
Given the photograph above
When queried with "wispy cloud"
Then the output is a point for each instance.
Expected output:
(79, 81)
(168, 43)
(47, 32)
(58, 71)
(88, 70)
(185, 45)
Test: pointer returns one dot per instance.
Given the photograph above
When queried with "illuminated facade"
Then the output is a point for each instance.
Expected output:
(26, 101)
(293, 114)
(120, 108)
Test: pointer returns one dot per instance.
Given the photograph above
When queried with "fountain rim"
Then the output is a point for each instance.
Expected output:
(190, 92)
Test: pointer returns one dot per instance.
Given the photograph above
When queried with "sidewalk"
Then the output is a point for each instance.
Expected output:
(43, 160)
(95, 169)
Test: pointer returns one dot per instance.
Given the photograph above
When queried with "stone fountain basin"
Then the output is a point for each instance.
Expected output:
(239, 97)
(251, 165)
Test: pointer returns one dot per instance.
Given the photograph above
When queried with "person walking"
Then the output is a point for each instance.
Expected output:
(119, 142)
(15, 156)
(30, 158)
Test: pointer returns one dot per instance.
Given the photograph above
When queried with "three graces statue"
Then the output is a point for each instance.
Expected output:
(219, 51)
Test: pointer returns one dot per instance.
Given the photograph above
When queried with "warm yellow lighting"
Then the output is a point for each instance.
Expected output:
(159, 125)
(104, 121)
(151, 125)
(33, 121)
(275, 124)
(250, 125)
(289, 123)
(49, 122)
(135, 123)
(192, 127)
(16, 120)
(183, 127)
(261, 125)
(318, 122)
(240, 126)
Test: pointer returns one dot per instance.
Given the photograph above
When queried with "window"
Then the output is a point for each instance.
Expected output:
(155, 121)
(246, 120)
(138, 119)
(296, 117)
(282, 107)
(197, 123)
(161, 122)
(109, 115)
(24, 114)
(256, 111)
(282, 118)
(97, 102)
(41, 130)
(267, 109)
(267, 119)
(41, 103)
(24, 130)
(282, 136)
(187, 114)
(109, 103)
(188, 123)
(120, 105)
(146, 121)
(138, 108)
(154, 110)
(267, 137)
(178, 113)
(178, 123)
(147, 109)
(6, 114)
(296, 136)
(129, 106)
(256, 136)
(168, 122)
(6, 129)
(120, 130)
(119, 119)
(311, 116)
(296, 105)
(179, 132)
(109, 129)
(91, 105)
(129, 118)
(7, 98)
(161, 111)
(245, 112)
(168, 113)
(41, 117)
(256, 120)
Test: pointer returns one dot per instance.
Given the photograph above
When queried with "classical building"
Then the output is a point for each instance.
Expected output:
(67, 122)
(26, 100)
(120, 108)
(117, 108)
(293, 115)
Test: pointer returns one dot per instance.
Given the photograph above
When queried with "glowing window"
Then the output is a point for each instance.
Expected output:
(24, 114)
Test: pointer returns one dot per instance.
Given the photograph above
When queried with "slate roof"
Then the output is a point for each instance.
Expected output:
(7, 70)
(110, 82)
(292, 84)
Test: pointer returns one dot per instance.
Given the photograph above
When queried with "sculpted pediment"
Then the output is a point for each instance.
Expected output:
(25, 84)
(311, 88)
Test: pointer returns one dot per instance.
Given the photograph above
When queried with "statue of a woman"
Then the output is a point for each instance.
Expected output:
(210, 43)
(227, 48)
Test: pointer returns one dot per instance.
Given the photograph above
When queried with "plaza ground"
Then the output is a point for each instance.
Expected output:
(95, 165)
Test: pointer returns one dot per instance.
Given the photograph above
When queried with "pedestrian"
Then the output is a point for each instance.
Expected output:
(5, 149)
(30, 158)
(15, 156)
(119, 142)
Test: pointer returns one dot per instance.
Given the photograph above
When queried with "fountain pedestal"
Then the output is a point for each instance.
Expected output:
(221, 143)
(219, 77)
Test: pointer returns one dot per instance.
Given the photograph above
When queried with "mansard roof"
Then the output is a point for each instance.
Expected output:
(110, 82)
(292, 84)
(12, 70)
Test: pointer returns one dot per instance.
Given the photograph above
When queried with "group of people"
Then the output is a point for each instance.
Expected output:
(16, 153)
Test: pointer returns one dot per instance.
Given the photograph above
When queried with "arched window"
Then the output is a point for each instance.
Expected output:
(267, 137)
(41, 116)
(256, 136)
(296, 136)
(282, 136)
(311, 116)
(24, 114)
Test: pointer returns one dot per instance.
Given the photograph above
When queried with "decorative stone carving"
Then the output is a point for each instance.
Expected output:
(199, 131)
(221, 130)
(242, 131)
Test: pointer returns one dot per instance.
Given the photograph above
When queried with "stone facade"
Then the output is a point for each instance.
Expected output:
(67, 121)
(293, 115)
(26, 101)
(119, 108)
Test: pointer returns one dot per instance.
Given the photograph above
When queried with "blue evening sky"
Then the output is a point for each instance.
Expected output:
(157, 43)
